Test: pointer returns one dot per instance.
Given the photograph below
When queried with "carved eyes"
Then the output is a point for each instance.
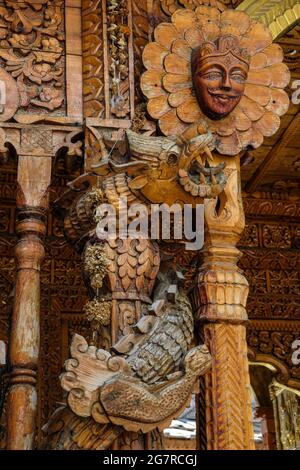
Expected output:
(172, 159)
(236, 76)
(213, 76)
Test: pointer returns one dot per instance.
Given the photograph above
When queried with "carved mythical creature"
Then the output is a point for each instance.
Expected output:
(156, 372)
(144, 385)
(157, 169)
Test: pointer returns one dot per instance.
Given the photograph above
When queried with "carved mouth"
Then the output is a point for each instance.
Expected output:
(223, 97)
(203, 181)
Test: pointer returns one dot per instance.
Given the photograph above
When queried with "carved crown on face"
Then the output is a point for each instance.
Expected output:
(221, 47)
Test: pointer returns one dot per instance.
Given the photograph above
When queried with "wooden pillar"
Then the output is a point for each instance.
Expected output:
(33, 180)
(220, 298)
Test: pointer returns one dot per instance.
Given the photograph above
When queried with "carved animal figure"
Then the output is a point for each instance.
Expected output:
(148, 376)
(141, 390)
(157, 169)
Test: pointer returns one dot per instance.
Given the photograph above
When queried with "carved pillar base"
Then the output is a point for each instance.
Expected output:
(223, 293)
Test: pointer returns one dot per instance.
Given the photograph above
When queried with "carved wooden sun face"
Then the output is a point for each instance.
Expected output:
(238, 95)
(219, 84)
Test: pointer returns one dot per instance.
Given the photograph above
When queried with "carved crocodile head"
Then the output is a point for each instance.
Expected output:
(169, 170)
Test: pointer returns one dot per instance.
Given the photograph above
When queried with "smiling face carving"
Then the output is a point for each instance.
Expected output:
(219, 71)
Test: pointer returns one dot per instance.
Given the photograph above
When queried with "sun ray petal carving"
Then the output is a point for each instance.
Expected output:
(158, 106)
(176, 64)
(170, 78)
(153, 56)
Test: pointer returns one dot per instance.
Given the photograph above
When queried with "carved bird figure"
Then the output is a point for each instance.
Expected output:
(149, 380)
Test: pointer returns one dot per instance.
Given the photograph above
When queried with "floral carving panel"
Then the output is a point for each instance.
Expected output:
(271, 264)
(32, 52)
(275, 340)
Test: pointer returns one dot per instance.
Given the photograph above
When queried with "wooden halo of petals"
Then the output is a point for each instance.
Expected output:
(167, 82)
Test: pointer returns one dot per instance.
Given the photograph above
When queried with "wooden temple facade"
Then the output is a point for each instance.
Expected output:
(72, 82)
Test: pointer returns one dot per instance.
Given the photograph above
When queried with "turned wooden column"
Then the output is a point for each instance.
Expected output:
(225, 416)
(33, 178)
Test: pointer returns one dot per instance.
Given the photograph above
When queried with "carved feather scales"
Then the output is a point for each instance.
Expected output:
(162, 351)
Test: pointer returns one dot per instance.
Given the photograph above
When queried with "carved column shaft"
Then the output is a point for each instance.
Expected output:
(228, 401)
(24, 349)
(34, 175)
(221, 298)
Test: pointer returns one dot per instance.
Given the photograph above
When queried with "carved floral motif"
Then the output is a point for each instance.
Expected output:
(35, 57)
(275, 340)
(276, 236)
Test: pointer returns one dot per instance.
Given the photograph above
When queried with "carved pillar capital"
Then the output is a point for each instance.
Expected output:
(222, 288)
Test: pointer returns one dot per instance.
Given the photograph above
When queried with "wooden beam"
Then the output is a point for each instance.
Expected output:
(271, 157)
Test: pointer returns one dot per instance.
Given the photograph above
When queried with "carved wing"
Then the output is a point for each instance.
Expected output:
(161, 353)
(85, 372)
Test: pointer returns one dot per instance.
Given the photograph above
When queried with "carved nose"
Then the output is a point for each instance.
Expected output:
(226, 83)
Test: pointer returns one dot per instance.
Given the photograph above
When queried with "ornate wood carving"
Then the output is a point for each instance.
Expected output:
(35, 58)
(146, 387)
(220, 300)
(266, 165)
(270, 341)
(93, 59)
(35, 150)
(108, 70)
(24, 341)
(114, 35)
(223, 290)
(168, 81)
(278, 17)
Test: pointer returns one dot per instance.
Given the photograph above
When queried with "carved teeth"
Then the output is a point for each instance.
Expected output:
(182, 172)
(202, 190)
(213, 179)
(188, 186)
(202, 178)
(184, 180)
(194, 190)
